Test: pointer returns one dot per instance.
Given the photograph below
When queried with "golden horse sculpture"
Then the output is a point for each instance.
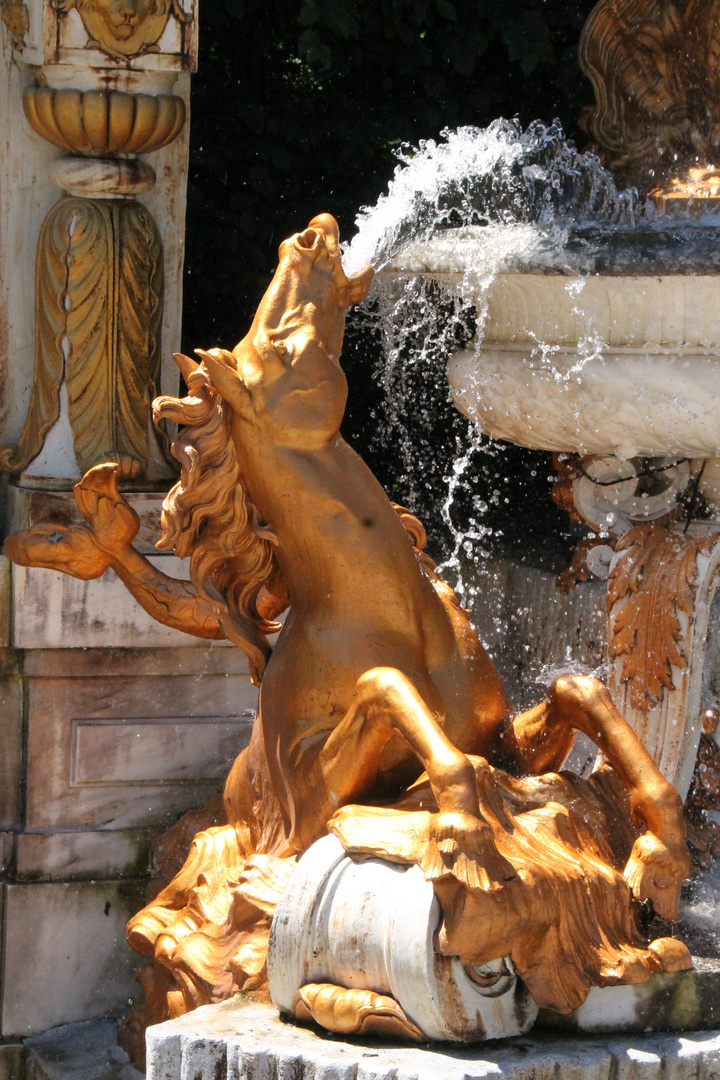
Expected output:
(381, 717)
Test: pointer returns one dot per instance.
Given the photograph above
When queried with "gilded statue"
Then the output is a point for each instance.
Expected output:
(381, 717)
(125, 29)
(655, 70)
(16, 17)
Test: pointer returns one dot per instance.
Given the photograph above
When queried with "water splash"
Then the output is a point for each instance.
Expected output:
(459, 211)
(484, 181)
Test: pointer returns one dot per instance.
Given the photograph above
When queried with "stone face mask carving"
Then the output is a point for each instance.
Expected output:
(381, 717)
(125, 28)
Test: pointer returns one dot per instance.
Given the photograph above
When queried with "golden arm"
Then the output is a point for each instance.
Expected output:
(87, 551)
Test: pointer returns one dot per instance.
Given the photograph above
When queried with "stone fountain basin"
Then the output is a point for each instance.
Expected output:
(598, 365)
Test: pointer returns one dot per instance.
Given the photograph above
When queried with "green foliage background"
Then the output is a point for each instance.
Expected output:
(298, 105)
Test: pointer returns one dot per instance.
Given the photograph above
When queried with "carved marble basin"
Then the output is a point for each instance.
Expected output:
(104, 121)
(598, 365)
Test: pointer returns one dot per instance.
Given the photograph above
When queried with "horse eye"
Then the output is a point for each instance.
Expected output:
(282, 347)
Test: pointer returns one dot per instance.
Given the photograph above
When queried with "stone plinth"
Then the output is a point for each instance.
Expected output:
(111, 725)
(85, 1051)
(248, 1041)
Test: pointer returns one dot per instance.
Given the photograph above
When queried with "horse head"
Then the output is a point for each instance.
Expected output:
(285, 373)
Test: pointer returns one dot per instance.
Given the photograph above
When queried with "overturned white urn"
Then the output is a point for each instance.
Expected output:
(371, 925)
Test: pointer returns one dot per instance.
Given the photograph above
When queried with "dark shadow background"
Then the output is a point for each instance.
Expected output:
(297, 107)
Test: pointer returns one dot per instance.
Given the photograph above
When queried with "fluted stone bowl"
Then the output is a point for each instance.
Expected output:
(621, 365)
(104, 121)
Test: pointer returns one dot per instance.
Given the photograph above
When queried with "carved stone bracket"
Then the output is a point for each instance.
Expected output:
(660, 590)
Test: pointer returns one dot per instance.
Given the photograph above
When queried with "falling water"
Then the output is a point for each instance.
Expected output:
(459, 211)
(476, 203)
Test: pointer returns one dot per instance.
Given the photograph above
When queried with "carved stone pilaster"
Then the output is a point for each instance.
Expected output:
(104, 96)
(98, 279)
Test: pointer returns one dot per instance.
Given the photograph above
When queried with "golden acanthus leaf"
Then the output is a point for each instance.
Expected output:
(656, 575)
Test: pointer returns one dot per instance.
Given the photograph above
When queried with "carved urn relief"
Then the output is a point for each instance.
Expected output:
(99, 272)
(654, 68)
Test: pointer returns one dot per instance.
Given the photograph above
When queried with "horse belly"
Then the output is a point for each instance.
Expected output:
(310, 681)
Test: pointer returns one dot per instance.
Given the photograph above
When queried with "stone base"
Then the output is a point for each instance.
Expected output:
(680, 1001)
(248, 1041)
(86, 1051)
(111, 726)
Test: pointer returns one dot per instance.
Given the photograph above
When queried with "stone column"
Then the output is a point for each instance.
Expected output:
(110, 725)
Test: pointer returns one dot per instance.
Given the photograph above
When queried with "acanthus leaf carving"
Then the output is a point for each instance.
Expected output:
(114, 330)
(51, 280)
(655, 576)
(98, 316)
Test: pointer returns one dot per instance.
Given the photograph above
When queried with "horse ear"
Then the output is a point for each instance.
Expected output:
(221, 367)
(359, 285)
(187, 365)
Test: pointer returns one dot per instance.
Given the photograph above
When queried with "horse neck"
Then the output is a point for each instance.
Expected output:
(332, 519)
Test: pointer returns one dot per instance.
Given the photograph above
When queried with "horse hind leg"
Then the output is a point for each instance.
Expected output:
(659, 861)
(385, 703)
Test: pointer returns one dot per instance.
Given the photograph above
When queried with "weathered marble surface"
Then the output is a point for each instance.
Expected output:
(81, 856)
(53, 611)
(620, 365)
(533, 630)
(114, 753)
(681, 1001)
(97, 744)
(12, 1061)
(62, 942)
(84, 1051)
(247, 1041)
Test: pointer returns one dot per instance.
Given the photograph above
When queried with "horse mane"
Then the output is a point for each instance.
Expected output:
(208, 516)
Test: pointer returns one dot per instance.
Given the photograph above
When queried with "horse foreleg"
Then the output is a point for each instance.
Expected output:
(659, 861)
(385, 703)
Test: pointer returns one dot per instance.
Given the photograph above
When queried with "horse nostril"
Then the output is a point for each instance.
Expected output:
(308, 238)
